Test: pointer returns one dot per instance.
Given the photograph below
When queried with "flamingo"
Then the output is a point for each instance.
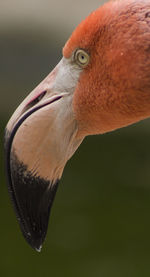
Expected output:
(101, 83)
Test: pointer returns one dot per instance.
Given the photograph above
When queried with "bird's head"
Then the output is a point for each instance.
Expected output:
(102, 83)
(113, 89)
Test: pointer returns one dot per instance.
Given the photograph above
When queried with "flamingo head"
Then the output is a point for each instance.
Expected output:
(102, 83)
(114, 88)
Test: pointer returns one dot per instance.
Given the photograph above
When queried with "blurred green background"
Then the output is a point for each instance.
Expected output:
(99, 224)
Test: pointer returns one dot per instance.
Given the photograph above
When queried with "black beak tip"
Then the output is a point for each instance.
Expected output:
(38, 249)
(32, 197)
(34, 243)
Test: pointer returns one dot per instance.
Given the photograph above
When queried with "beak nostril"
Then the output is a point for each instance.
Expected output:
(35, 100)
(41, 96)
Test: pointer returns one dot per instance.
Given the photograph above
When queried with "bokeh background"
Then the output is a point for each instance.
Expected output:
(100, 220)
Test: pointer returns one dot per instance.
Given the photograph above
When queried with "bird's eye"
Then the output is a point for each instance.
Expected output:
(81, 58)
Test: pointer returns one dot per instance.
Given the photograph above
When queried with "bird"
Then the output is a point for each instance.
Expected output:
(101, 83)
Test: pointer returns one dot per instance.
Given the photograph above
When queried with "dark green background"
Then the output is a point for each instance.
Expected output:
(99, 224)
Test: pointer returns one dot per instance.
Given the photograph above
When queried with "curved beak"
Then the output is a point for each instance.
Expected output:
(40, 137)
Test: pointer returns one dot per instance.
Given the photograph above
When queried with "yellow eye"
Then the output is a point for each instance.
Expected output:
(82, 58)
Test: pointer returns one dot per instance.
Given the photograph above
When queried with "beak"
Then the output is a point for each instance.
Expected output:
(39, 139)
